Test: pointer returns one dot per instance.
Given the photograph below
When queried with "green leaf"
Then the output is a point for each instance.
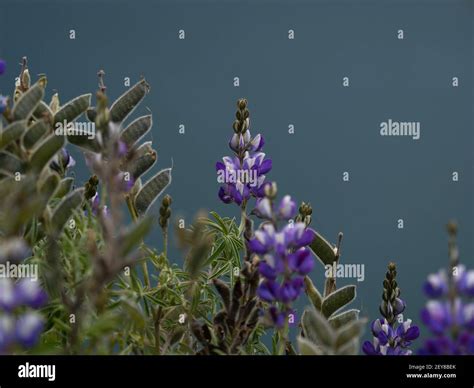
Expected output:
(34, 133)
(353, 330)
(135, 235)
(29, 100)
(323, 250)
(73, 109)
(10, 163)
(91, 114)
(351, 348)
(12, 132)
(151, 190)
(127, 102)
(313, 294)
(337, 300)
(63, 212)
(45, 151)
(307, 348)
(64, 187)
(344, 318)
(317, 328)
(138, 166)
(136, 130)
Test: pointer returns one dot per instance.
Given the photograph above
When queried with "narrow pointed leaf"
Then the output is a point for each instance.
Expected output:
(28, 101)
(91, 114)
(128, 101)
(337, 300)
(73, 109)
(45, 151)
(84, 142)
(151, 190)
(12, 132)
(49, 185)
(136, 130)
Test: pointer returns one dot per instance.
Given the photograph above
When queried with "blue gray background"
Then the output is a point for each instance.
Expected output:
(295, 82)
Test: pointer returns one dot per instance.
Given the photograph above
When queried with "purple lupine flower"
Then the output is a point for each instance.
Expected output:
(390, 341)
(7, 331)
(29, 292)
(19, 322)
(96, 207)
(449, 314)
(62, 161)
(8, 300)
(28, 328)
(285, 258)
(3, 66)
(243, 175)
(391, 335)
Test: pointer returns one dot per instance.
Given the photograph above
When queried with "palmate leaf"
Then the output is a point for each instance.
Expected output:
(34, 133)
(63, 212)
(45, 151)
(337, 300)
(29, 100)
(151, 190)
(127, 102)
(73, 109)
(136, 130)
(12, 132)
(323, 250)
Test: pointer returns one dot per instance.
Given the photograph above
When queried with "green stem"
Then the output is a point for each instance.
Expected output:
(134, 215)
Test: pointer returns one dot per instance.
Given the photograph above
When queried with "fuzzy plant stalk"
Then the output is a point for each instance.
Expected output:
(449, 314)
(392, 334)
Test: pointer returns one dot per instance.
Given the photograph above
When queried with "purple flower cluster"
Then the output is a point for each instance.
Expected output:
(389, 341)
(20, 324)
(3, 99)
(243, 175)
(285, 258)
(391, 337)
(62, 161)
(450, 313)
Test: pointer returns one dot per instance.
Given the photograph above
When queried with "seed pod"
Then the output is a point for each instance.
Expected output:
(224, 291)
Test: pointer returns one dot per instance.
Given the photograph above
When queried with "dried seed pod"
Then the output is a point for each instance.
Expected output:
(224, 291)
